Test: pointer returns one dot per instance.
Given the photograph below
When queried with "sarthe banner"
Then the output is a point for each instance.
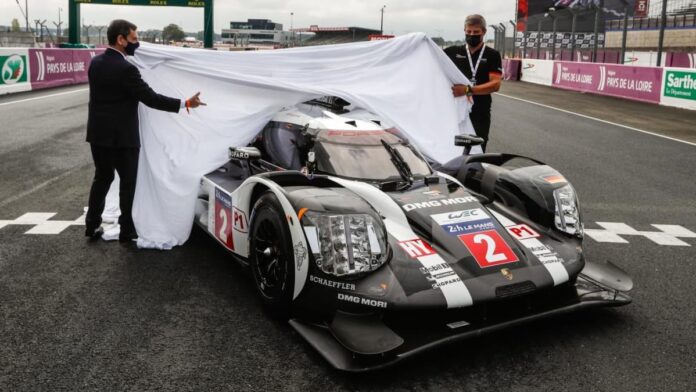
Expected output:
(407, 81)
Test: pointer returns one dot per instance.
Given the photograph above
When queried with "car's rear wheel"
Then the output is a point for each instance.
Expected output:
(271, 256)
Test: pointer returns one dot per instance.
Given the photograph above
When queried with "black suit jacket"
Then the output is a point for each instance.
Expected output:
(115, 88)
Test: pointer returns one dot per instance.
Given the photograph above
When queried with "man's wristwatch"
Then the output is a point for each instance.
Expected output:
(469, 91)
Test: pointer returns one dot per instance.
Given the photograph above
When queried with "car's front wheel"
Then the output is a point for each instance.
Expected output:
(271, 256)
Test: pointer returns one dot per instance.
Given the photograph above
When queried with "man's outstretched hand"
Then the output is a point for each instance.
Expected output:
(194, 101)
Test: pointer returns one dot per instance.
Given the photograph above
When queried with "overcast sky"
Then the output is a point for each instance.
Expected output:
(433, 17)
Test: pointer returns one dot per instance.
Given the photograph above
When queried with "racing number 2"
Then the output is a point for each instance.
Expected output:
(488, 248)
(223, 218)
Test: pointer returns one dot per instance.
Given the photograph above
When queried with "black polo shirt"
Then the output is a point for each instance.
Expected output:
(491, 63)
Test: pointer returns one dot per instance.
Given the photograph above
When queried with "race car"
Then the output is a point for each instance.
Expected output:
(375, 252)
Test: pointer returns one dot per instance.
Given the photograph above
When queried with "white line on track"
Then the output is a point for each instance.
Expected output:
(598, 119)
(44, 96)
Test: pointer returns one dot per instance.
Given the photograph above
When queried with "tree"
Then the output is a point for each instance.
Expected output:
(173, 32)
(15, 26)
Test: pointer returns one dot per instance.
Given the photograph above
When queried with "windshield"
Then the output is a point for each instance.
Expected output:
(366, 161)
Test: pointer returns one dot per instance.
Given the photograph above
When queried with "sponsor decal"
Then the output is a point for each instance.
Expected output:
(545, 254)
(13, 69)
(300, 254)
(417, 248)
(446, 281)
(223, 218)
(240, 221)
(507, 273)
(457, 324)
(237, 154)
(440, 275)
(681, 84)
(362, 300)
(464, 221)
(439, 203)
(355, 133)
(522, 232)
(331, 284)
(488, 248)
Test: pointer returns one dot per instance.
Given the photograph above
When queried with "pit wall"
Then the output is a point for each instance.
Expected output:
(658, 85)
(27, 69)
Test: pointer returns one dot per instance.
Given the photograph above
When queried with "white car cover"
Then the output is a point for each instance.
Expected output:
(406, 80)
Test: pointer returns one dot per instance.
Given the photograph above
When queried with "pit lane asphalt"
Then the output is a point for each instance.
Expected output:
(85, 316)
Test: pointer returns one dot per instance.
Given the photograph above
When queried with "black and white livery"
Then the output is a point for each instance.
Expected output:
(375, 252)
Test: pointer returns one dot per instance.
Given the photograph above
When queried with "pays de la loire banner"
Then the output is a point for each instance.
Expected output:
(59, 67)
(636, 83)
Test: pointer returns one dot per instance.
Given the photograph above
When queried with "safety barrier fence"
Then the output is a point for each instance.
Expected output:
(23, 69)
(26, 69)
(668, 86)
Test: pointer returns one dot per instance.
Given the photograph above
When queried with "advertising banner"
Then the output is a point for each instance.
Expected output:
(14, 70)
(680, 88)
(537, 71)
(511, 69)
(59, 67)
(641, 8)
(636, 83)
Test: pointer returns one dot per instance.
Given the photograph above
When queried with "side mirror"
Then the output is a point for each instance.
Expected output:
(244, 153)
(467, 140)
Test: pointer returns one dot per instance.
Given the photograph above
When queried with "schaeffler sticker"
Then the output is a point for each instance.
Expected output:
(522, 232)
(488, 248)
(416, 248)
(542, 252)
(223, 218)
(464, 222)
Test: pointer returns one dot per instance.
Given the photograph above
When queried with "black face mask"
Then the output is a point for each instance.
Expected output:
(473, 40)
(131, 47)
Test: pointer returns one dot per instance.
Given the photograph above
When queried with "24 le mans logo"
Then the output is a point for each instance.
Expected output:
(14, 69)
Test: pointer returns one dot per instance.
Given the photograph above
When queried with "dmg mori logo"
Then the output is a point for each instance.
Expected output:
(13, 69)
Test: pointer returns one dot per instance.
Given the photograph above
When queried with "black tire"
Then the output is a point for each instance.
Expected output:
(271, 256)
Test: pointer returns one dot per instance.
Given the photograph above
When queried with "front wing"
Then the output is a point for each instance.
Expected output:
(356, 343)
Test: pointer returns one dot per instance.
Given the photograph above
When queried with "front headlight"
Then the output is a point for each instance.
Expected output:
(346, 244)
(567, 217)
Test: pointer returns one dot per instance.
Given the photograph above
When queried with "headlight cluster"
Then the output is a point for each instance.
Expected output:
(567, 217)
(346, 244)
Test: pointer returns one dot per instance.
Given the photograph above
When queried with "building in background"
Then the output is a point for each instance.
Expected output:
(255, 33)
(335, 35)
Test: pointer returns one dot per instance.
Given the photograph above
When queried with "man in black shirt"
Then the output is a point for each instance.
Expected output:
(486, 77)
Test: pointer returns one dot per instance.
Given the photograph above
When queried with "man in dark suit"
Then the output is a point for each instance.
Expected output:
(115, 89)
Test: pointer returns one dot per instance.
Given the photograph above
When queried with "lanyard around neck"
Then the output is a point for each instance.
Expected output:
(471, 63)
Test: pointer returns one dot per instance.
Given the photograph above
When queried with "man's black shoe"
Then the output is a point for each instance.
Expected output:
(94, 234)
(127, 237)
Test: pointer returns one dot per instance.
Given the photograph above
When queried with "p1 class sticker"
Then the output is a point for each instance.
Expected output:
(223, 218)
(522, 232)
(488, 248)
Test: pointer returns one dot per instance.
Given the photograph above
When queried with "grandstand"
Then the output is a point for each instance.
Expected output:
(335, 35)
